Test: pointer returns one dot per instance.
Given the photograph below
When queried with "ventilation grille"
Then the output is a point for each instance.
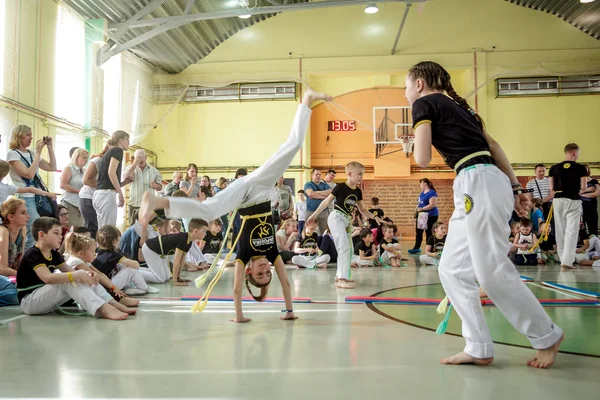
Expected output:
(237, 92)
(548, 86)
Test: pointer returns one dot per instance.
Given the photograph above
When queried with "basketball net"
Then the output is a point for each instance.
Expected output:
(408, 143)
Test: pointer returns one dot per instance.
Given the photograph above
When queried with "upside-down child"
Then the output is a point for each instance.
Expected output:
(82, 251)
(42, 291)
(348, 197)
(306, 247)
(251, 195)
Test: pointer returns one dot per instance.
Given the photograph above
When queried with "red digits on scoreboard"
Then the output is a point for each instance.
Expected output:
(352, 125)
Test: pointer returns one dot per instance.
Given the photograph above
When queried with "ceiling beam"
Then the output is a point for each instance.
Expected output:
(408, 4)
(185, 19)
(172, 22)
(188, 7)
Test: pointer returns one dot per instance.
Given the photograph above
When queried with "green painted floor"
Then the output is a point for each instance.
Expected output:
(334, 351)
(582, 323)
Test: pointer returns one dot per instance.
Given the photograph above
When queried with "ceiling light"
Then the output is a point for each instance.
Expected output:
(371, 8)
(586, 1)
(245, 16)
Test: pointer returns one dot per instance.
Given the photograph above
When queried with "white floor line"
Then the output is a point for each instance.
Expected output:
(573, 296)
(230, 310)
(5, 321)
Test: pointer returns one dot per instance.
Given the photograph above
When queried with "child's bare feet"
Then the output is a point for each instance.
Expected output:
(324, 265)
(191, 268)
(347, 280)
(482, 293)
(123, 308)
(545, 358)
(344, 284)
(109, 312)
(464, 358)
(129, 302)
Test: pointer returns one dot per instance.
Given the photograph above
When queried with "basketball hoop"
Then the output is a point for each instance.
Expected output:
(408, 142)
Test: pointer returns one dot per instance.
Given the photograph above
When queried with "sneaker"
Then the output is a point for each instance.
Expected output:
(152, 290)
(414, 251)
(133, 291)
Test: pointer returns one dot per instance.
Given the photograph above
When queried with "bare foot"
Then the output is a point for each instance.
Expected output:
(147, 208)
(109, 312)
(344, 284)
(123, 308)
(191, 268)
(322, 265)
(180, 283)
(482, 293)
(129, 302)
(241, 320)
(545, 358)
(567, 266)
(464, 358)
(347, 280)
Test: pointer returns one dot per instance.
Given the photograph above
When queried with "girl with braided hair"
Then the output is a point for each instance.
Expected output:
(476, 248)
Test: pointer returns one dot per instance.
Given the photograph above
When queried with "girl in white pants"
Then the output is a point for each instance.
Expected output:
(347, 197)
(251, 193)
(476, 247)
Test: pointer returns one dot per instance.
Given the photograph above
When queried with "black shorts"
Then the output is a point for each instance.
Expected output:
(257, 238)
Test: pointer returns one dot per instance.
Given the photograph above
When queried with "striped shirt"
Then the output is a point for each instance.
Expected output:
(543, 190)
(141, 184)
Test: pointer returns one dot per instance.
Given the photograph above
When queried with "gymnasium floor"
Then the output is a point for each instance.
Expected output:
(334, 350)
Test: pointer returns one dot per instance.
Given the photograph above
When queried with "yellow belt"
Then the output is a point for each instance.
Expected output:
(256, 215)
(470, 157)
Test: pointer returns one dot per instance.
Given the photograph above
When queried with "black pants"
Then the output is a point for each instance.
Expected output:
(286, 256)
(88, 212)
(526, 259)
(419, 238)
(590, 216)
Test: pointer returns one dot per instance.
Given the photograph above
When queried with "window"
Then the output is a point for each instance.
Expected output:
(63, 141)
(205, 93)
(69, 97)
(111, 113)
(509, 86)
(545, 85)
(594, 83)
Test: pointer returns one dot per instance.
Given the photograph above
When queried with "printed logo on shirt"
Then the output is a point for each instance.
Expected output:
(350, 202)
(567, 166)
(262, 237)
(468, 204)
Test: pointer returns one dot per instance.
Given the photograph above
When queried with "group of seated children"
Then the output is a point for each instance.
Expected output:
(387, 252)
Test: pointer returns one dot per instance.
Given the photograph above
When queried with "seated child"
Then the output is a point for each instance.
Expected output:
(389, 248)
(515, 228)
(376, 211)
(365, 254)
(41, 291)
(537, 215)
(122, 271)
(435, 244)
(308, 254)
(583, 244)
(212, 242)
(157, 249)
(82, 251)
(524, 241)
(548, 245)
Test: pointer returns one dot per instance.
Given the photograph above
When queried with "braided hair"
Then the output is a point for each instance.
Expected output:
(437, 78)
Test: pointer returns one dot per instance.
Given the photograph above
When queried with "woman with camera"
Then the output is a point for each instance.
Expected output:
(24, 166)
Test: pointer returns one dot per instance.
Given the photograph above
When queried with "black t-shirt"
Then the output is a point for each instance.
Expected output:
(103, 177)
(437, 245)
(106, 261)
(212, 243)
(27, 279)
(566, 178)
(346, 198)
(308, 242)
(378, 212)
(383, 241)
(583, 235)
(170, 243)
(362, 246)
(454, 132)
(548, 245)
(591, 184)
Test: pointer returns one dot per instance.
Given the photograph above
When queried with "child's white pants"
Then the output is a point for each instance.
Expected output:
(428, 260)
(476, 251)
(158, 270)
(195, 255)
(594, 249)
(127, 276)
(567, 214)
(49, 297)
(338, 225)
(310, 261)
(361, 263)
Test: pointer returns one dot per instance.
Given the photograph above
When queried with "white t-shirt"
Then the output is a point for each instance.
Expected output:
(73, 261)
(87, 192)
(301, 210)
(15, 155)
(7, 190)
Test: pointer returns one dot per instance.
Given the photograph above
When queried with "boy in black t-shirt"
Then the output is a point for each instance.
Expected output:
(376, 211)
(42, 291)
(365, 254)
(567, 180)
(306, 247)
(348, 197)
(212, 242)
(435, 244)
(548, 245)
(389, 248)
(156, 251)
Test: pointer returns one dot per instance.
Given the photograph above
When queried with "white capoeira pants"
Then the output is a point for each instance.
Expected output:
(338, 225)
(158, 270)
(105, 204)
(428, 260)
(476, 251)
(386, 257)
(310, 261)
(361, 263)
(127, 276)
(567, 215)
(594, 249)
(48, 298)
(210, 257)
(251, 189)
(195, 255)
